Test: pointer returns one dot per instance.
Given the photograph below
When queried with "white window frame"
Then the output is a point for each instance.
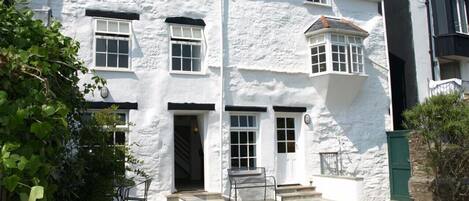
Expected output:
(348, 42)
(315, 42)
(128, 38)
(238, 129)
(459, 22)
(327, 3)
(123, 127)
(187, 41)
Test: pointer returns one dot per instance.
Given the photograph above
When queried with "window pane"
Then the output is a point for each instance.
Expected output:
(314, 59)
(197, 33)
(100, 45)
(322, 67)
(243, 121)
(281, 147)
(335, 66)
(280, 135)
(113, 26)
(252, 150)
(124, 61)
(195, 64)
(243, 137)
(234, 163)
(234, 151)
(186, 64)
(252, 162)
(112, 46)
(120, 138)
(251, 121)
(112, 60)
(322, 58)
(176, 49)
(252, 137)
(290, 135)
(291, 147)
(196, 51)
(315, 68)
(177, 31)
(244, 163)
(186, 50)
(100, 59)
(176, 65)
(101, 25)
(314, 50)
(124, 27)
(243, 150)
(322, 48)
(343, 67)
(234, 138)
(334, 48)
(124, 46)
(290, 123)
(234, 121)
(280, 122)
(186, 32)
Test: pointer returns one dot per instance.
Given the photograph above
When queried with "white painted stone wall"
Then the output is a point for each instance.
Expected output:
(266, 63)
(351, 188)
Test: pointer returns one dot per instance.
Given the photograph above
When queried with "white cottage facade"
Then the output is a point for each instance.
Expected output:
(210, 85)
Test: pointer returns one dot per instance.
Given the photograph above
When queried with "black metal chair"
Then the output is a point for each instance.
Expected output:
(254, 177)
(126, 192)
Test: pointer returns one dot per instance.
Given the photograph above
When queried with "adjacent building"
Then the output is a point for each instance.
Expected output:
(299, 87)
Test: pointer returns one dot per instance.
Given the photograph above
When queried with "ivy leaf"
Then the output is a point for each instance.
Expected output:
(41, 129)
(11, 182)
(22, 163)
(3, 97)
(37, 192)
(24, 197)
(8, 147)
(34, 164)
(48, 110)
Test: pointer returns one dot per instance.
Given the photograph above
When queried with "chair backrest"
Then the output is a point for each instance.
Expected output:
(147, 187)
(247, 175)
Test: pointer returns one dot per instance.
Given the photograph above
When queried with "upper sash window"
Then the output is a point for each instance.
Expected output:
(112, 44)
(186, 48)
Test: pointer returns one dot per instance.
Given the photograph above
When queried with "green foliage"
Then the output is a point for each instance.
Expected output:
(443, 123)
(42, 135)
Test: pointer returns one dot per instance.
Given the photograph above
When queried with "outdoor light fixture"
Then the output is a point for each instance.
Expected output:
(307, 119)
(104, 92)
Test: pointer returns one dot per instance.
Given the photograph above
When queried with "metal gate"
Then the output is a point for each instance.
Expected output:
(399, 165)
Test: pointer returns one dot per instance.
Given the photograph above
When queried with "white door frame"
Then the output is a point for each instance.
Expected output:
(295, 156)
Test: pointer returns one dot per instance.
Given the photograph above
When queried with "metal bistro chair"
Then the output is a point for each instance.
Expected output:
(126, 192)
(254, 177)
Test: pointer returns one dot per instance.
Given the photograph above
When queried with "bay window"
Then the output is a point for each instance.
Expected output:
(460, 14)
(331, 52)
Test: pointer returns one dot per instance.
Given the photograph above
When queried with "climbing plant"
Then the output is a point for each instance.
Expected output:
(443, 124)
(43, 137)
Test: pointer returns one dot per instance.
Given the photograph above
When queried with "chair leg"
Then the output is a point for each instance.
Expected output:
(229, 199)
(236, 195)
(265, 191)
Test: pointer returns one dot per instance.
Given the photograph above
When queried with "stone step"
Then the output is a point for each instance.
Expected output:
(195, 196)
(299, 196)
(296, 188)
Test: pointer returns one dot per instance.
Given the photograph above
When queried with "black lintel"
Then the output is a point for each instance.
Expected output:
(121, 105)
(289, 109)
(185, 20)
(245, 108)
(191, 106)
(112, 14)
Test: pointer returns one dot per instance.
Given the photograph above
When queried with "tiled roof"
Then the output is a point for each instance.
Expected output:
(334, 23)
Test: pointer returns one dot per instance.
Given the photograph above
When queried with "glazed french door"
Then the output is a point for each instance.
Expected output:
(286, 134)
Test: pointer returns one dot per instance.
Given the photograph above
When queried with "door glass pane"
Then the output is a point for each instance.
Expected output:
(280, 135)
(290, 135)
(280, 123)
(291, 147)
(290, 123)
(281, 147)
